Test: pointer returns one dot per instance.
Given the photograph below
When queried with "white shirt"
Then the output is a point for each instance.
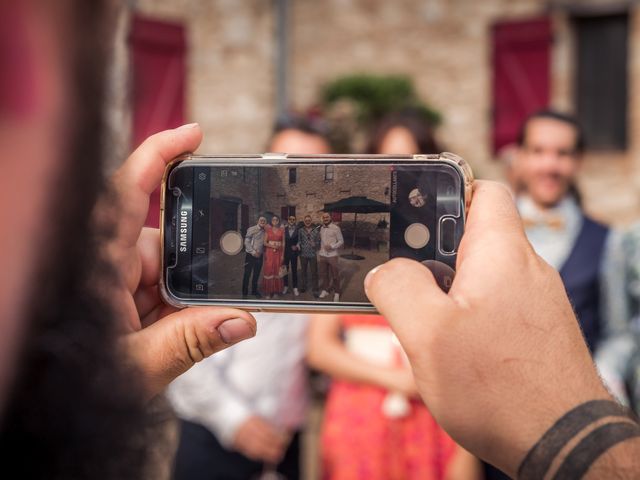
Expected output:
(554, 245)
(330, 240)
(265, 375)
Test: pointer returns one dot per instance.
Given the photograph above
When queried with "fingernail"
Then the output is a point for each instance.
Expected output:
(367, 279)
(235, 330)
(187, 126)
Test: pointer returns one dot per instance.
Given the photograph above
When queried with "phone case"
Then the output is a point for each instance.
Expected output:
(279, 159)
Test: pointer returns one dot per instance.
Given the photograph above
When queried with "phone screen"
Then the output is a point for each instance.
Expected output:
(301, 233)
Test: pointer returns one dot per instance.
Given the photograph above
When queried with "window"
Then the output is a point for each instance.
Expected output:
(601, 80)
(328, 173)
(293, 176)
(286, 212)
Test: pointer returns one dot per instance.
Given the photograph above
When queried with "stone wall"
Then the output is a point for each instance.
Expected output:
(444, 45)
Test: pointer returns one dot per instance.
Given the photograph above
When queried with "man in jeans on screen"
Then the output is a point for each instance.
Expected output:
(309, 244)
(330, 242)
(253, 246)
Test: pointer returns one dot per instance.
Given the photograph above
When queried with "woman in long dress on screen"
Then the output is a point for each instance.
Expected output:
(272, 283)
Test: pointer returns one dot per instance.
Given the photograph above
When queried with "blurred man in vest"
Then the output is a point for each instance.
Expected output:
(546, 163)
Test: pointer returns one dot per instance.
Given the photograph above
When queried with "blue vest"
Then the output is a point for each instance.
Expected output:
(581, 276)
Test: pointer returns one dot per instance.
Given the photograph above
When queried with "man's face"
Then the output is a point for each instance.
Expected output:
(292, 220)
(326, 218)
(547, 162)
(307, 221)
(262, 222)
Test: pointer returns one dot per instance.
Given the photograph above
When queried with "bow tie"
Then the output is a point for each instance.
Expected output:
(554, 222)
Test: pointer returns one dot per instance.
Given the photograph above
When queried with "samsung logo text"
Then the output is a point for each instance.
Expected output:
(183, 230)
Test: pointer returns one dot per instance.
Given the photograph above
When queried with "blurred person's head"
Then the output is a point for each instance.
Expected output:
(275, 220)
(406, 132)
(549, 156)
(262, 222)
(299, 135)
(292, 220)
(326, 218)
(68, 408)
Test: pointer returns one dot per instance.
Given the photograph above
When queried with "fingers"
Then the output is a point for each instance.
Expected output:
(145, 167)
(265, 443)
(174, 343)
(405, 292)
(147, 299)
(493, 240)
(149, 248)
(142, 173)
(492, 212)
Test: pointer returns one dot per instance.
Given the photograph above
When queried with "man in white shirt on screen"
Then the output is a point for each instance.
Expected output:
(331, 241)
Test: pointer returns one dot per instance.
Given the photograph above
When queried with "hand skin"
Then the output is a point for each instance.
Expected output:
(258, 440)
(501, 357)
(162, 341)
(326, 352)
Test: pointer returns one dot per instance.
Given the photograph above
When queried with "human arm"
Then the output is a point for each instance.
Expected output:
(463, 466)
(616, 348)
(339, 240)
(326, 352)
(505, 336)
(161, 341)
(248, 241)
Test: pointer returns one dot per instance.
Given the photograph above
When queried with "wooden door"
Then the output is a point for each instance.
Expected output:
(521, 75)
(158, 57)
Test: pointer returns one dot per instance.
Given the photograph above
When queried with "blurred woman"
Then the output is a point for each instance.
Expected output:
(272, 283)
(375, 425)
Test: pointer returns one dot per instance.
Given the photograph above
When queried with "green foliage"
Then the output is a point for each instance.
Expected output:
(376, 96)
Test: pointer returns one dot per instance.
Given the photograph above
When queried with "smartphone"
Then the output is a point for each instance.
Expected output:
(278, 232)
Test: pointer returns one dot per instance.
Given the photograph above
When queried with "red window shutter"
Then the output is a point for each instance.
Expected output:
(521, 75)
(158, 56)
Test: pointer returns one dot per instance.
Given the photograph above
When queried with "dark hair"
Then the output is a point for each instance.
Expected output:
(558, 116)
(413, 120)
(301, 123)
(76, 410)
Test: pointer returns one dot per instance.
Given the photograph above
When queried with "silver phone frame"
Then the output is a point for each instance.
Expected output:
(276, 159)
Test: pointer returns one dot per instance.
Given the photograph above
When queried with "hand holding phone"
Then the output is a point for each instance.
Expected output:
(506, 336)
(150, 338)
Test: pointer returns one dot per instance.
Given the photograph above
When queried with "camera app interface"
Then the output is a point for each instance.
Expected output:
(310, 233)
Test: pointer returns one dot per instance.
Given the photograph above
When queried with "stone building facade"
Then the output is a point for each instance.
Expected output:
(240, 194)
(444, 45)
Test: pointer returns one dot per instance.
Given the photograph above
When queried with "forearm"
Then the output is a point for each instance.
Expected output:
(621, 461)
(332, 358)
(597, 439)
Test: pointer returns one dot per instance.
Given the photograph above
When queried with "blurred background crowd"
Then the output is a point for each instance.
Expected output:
(470, 73)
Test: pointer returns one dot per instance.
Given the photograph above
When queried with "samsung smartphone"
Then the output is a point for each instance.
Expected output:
(279, 232)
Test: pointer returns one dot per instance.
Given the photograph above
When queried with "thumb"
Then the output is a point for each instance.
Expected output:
(173, 344)
(406, 294)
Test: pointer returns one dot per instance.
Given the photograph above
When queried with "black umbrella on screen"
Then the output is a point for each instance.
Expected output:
(355, 205)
